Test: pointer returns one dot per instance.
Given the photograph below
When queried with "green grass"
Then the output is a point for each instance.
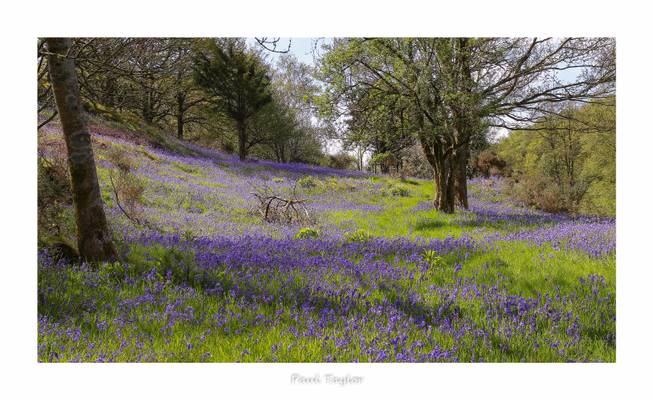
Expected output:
(98, 295)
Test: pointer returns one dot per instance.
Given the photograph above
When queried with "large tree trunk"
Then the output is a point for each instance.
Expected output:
(241, 126)
(444, 186)
(93, 238)
(443, 169)
(461, 159)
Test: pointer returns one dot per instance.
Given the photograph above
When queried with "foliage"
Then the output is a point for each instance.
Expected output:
(236, 81)
(487, 163)
(398, 190)
(120, 159)
(308, 182)
(128, 188)
(340, 161)
(307, 233)
(432, 258)
(357, 236)
(382, 278)
(198, 291)
(567, 166)
(444, 93)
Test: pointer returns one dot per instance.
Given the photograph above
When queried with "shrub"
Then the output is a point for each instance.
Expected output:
(308, 182)
(487, 163)
(540, 192)
(307, 233)
(131, 190)
(341, 161)
(128, 192)
(357, 236)
(277, 179)
(119, 158)
(399, 191)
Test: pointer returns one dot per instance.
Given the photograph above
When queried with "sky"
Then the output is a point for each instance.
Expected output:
(302, 48)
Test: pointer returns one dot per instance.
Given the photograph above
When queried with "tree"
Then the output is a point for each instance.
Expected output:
(186, 94)
(568, 163)
(236, 82)
(287, 122)
(458, 87)
(93, 237)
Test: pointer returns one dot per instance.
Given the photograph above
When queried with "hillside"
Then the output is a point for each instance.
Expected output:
(379, 276)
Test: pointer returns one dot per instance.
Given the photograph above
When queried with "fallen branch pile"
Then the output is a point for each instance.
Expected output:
(276, 208)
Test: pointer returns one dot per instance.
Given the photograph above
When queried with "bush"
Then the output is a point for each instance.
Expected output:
(130, 189)
(307, 233)
(540, 192)
(120, 159)
(358, 236)
(308, 182)
(399, 191)
(340, 161)
(487, 163)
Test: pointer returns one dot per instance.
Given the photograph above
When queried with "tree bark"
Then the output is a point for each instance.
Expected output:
(461, 159)
(93, 239)
(241, 126)
(444, 186)
(443, 169)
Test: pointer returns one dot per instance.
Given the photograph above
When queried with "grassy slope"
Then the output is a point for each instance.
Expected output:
(205, 196)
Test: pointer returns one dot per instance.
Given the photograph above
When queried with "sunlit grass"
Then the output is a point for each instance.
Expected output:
(120, 312)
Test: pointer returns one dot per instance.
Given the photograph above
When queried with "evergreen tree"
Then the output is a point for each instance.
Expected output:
(237, 82)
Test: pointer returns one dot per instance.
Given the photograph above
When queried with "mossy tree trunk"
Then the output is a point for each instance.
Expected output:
(93, 239)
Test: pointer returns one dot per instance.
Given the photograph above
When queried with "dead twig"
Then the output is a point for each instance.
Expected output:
(274, 207)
